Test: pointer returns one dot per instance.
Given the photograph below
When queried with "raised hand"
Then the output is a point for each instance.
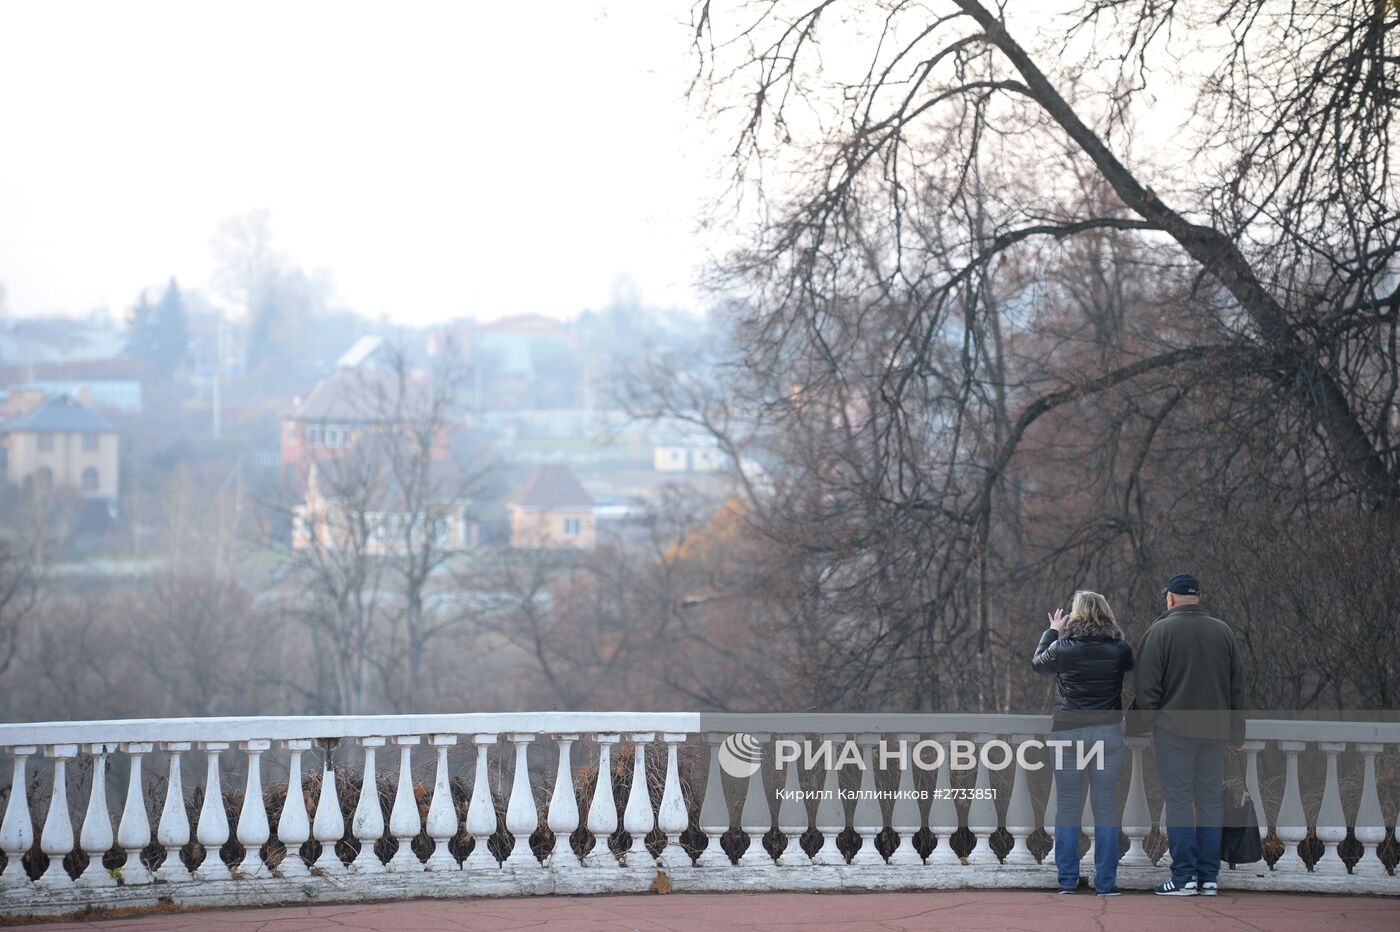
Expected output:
(1057, 620)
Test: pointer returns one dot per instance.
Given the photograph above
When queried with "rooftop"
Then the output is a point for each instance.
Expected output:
(60, 414)
(552, 486)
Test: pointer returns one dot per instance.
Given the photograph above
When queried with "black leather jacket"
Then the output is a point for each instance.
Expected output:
(1088, 676)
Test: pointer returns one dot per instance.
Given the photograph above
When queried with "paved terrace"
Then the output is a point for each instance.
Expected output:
(1004, 911)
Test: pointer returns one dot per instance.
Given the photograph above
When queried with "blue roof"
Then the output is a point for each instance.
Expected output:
(62, 414)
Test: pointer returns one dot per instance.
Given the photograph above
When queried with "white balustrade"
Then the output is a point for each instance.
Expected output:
(294, 825)
(522, 815)
(367, 824)
(173, 829)
(793, 818)
(602, 811)
(831, 819)
(481, 811)
(563, 818)
(17, 830)
(714, 808)
(57, 838)
(672, 816)
(1020, 816)
(982, 814)
(442, 813)
(134, 831)
(96, 836)
(404, 822)
(329, 825)
(637, 818)
(253, 830)
(212, 829)
(1370, 822)
(1291, 826)
(867, 819)
(943, 813)
(1137, 819)
(1331, 823)
(756, 816)
(119, 755)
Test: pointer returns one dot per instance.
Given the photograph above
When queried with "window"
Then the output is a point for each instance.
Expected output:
(90, 442)
(46, 442)
(291, 432)
(572, 526)
(89, 479)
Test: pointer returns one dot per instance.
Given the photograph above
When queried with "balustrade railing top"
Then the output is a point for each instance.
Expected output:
(554, 826)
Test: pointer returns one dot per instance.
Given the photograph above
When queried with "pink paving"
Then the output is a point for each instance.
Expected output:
(1002, 911)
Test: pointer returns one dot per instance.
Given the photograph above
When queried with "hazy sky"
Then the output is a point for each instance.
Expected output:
(438, 158)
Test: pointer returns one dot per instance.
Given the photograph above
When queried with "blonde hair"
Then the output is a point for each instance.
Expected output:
(1089, 614)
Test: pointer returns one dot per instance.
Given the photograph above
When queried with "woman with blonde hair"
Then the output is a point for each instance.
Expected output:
(1089, 655)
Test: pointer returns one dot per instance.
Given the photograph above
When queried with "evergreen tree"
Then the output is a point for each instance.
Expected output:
(160, 333)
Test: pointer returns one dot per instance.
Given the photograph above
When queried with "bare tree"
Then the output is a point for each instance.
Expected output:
(384, 508)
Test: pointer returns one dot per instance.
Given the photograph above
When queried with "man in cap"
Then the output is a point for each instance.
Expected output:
(1190, 690)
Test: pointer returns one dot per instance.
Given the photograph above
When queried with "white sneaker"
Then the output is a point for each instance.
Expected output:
(1208, 888)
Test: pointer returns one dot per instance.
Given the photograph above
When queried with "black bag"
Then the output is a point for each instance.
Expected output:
(1240, 842)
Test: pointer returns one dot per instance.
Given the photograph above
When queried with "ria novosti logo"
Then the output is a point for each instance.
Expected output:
(740, 755)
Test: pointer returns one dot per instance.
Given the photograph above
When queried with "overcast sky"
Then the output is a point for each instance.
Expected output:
(439, 158)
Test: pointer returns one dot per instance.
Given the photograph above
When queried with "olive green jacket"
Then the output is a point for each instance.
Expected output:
(1190, 677)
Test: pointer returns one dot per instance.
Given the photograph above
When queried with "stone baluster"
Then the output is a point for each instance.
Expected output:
(442, 812)
(714, 808)
(96, 836)
(1137, 818)
(134, 831)
(1251, 782)
(602, 810)
(294, 825)
(522, 811)
(1291, 825)
(17, 830)
(1370, 822)
(637, 818)
(1052, 808)
(1331, 821)
(756, 815)
(982, 813)
(57, 838)
(173, 828)
(793, 817)
(1020, 814)
(481, 810)
(867, 819)
(831, 812)
(906, 816)
(253, 829)
(943, 814)
(212, 830)
(672, 816)
(404, 821)
(329, 825)
(563, 817)
(368, 821)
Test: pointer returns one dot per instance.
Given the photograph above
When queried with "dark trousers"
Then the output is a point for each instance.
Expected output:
(1192, 770)
(1102, 786)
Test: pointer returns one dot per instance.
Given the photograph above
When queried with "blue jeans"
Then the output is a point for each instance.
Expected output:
(1191, 770)
(1102, 785)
